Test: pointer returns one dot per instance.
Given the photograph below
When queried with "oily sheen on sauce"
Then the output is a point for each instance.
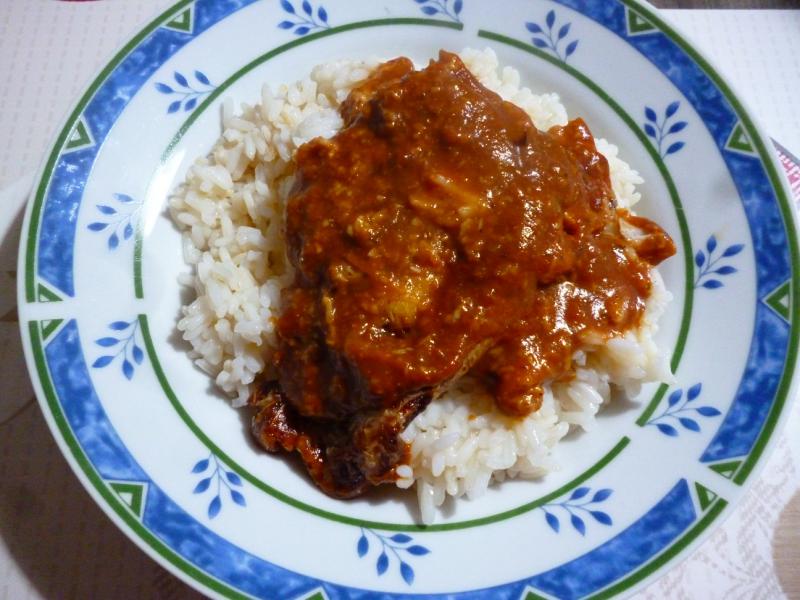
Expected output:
(439, 233)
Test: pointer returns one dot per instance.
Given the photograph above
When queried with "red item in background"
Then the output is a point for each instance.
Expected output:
(791, 164)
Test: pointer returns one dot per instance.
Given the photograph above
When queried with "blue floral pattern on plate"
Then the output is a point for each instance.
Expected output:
(188, 539)
(679, 412)
(577, 507)
(442, 7)
(551, 38)
(397, 544)
(306, 20)
(125, 347)
(186, 94)
(657, 129)
(216, 478)
(119, 221)
(709, 271)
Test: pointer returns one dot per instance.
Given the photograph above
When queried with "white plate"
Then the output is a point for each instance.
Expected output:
(174, 466)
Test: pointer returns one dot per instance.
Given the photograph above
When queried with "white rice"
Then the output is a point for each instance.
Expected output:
(230, 209)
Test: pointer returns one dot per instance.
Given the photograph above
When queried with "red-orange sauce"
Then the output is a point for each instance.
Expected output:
(439, 232)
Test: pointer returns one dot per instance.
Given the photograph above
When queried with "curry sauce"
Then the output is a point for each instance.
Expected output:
(439, 233)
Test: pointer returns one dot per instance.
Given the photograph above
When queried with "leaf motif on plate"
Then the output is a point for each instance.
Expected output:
(446, 8)
(680, 414)
(117, 221)
(188, 92)
(397, 549)
(218, 480)
(304, 19)
(124, 347)
(709, 270)
(550, 37)
(659, 130)
(581, 503)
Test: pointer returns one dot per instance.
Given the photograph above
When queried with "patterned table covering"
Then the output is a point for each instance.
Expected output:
(55, 543)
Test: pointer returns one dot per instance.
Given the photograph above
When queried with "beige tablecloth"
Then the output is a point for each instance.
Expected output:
(55, 543)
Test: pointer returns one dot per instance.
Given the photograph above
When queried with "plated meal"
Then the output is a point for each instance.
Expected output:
(418, 276)
(496, 320)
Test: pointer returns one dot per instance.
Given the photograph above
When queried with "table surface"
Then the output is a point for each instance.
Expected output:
(727, 4)
(56, 543)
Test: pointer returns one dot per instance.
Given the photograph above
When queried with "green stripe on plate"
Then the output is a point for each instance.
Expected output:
(676, 548)
(787, 212)
(277, 494)
(138, 283)
(686, 317)
(47, 172)
(85, 467)
(288, 46)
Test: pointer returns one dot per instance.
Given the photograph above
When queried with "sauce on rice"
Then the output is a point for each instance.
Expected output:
(440, 232)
